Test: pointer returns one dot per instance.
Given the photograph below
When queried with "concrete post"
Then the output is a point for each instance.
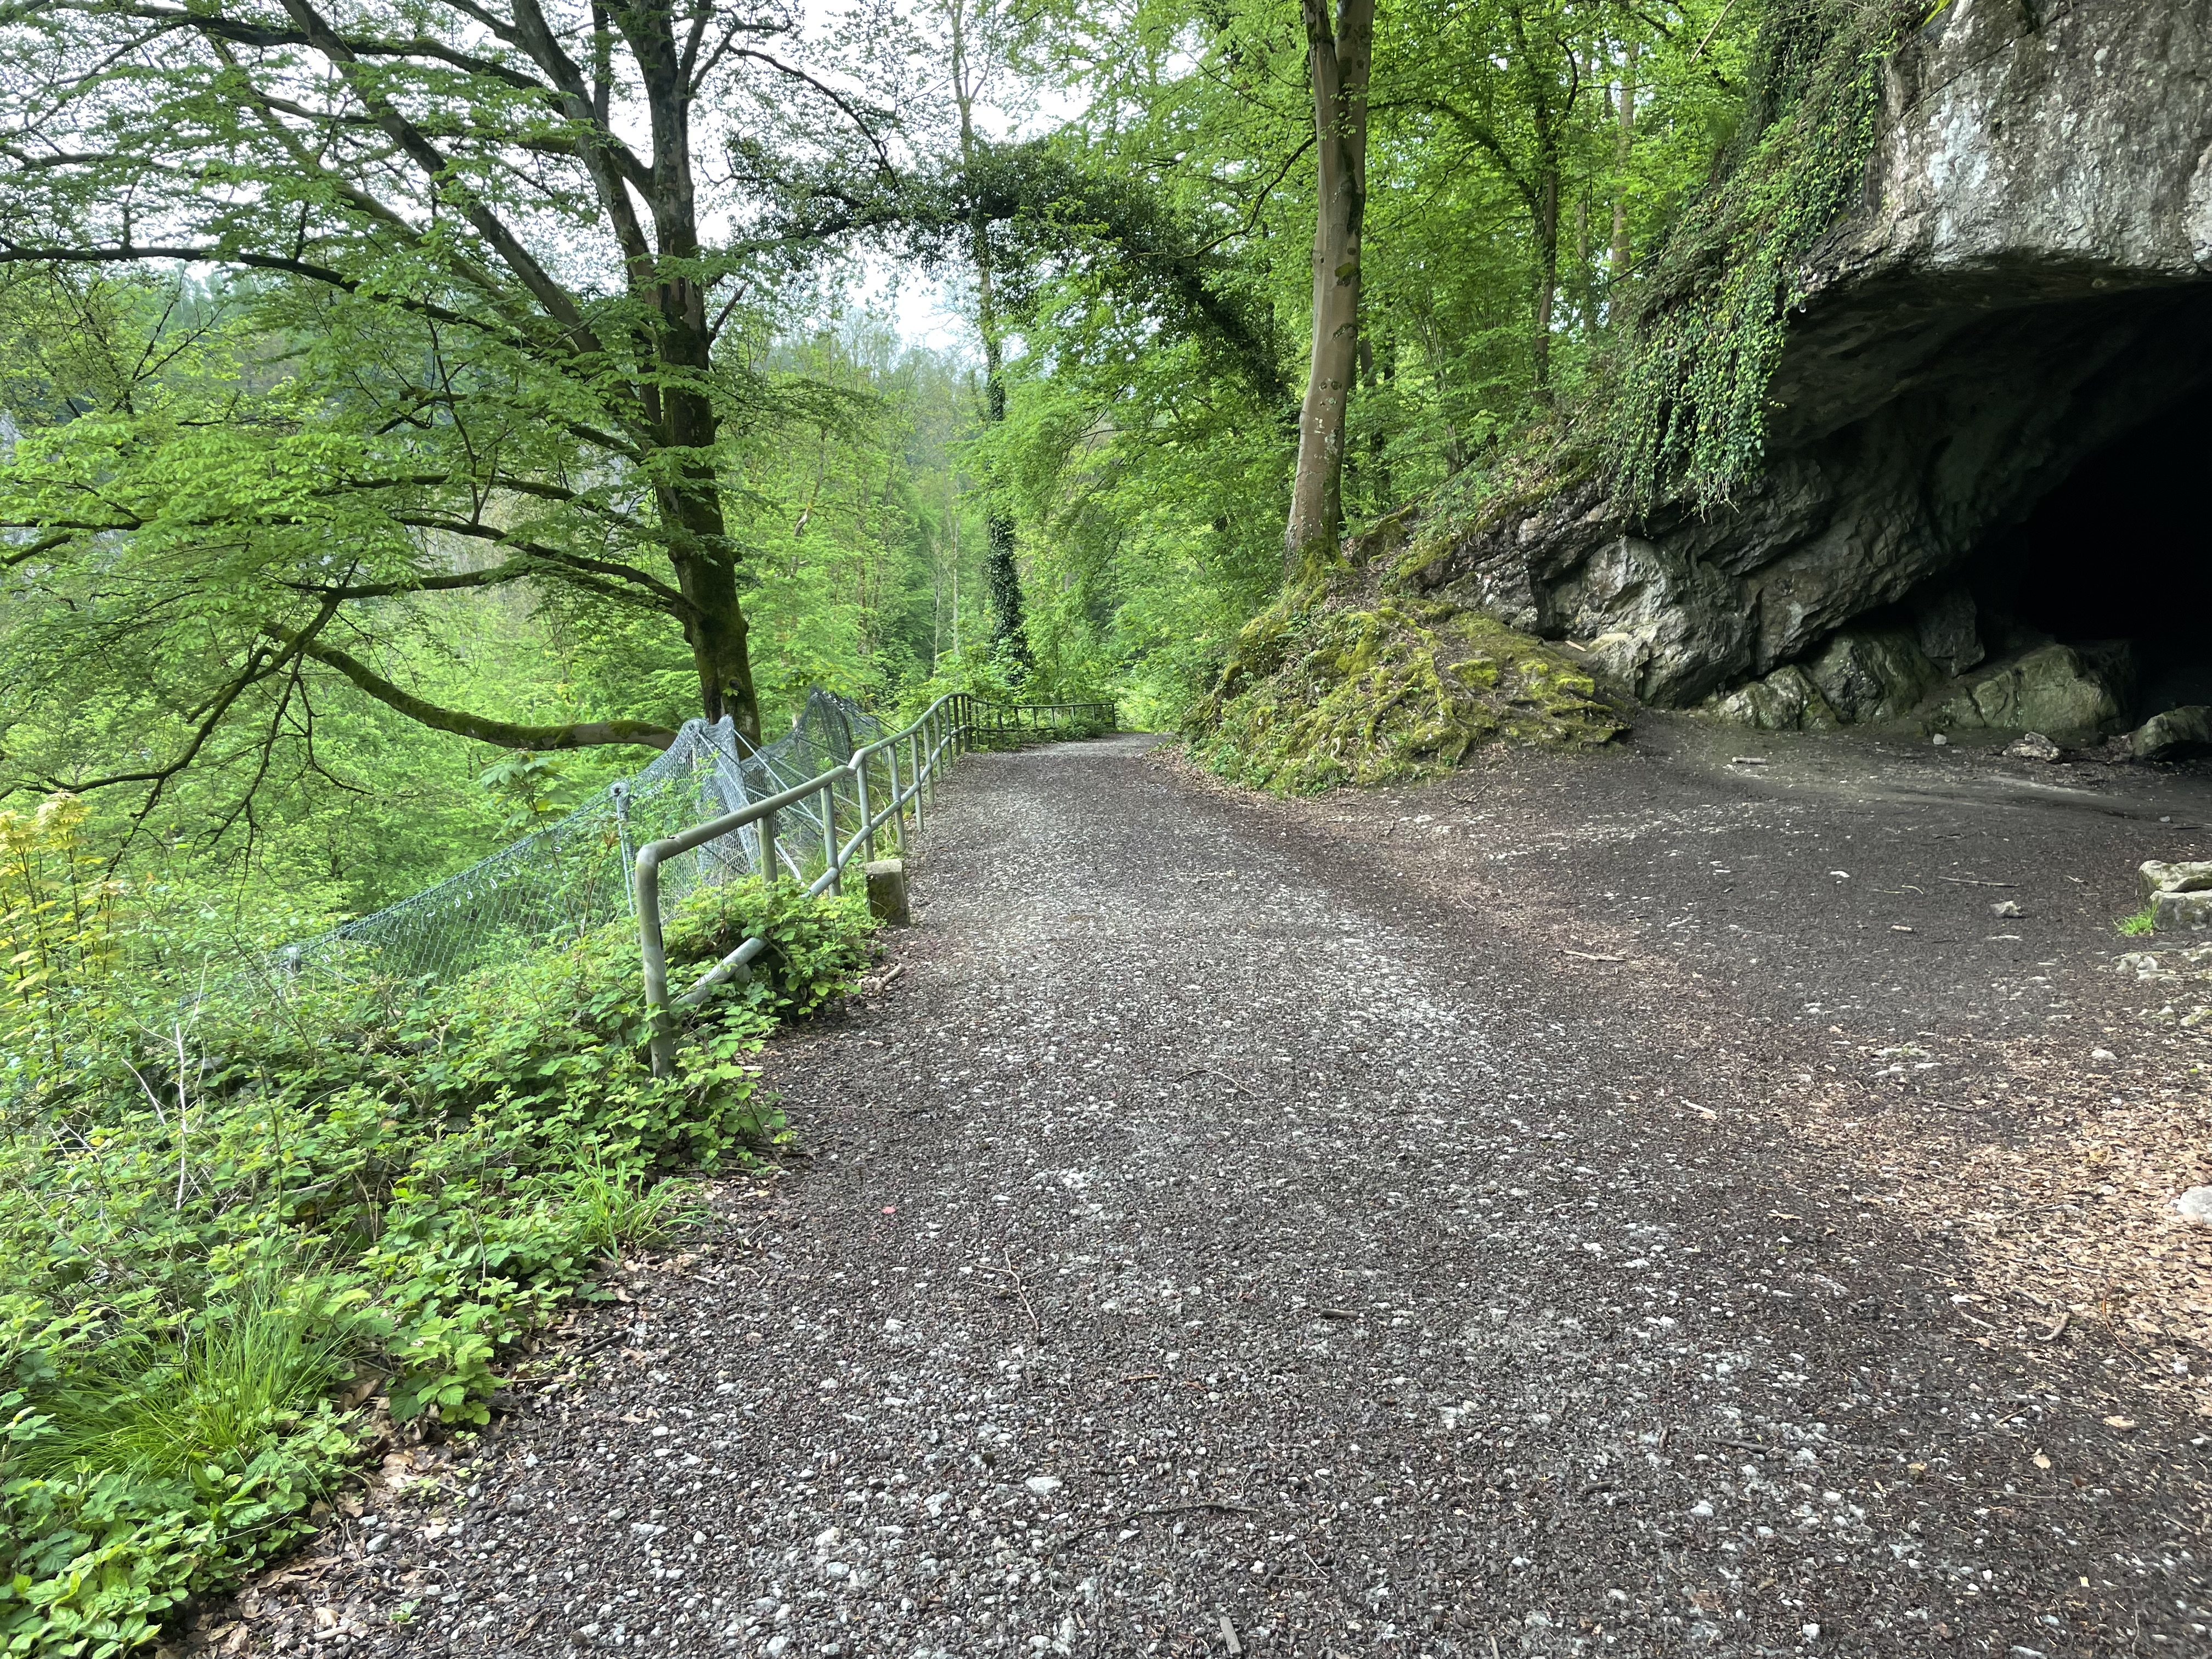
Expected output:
(887, 891)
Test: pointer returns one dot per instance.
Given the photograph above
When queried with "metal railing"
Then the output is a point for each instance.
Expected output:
(950, 726)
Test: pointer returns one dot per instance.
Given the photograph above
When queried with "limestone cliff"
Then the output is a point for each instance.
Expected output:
(2026, 282)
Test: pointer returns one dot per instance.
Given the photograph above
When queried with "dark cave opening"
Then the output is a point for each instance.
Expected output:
(2118, 557)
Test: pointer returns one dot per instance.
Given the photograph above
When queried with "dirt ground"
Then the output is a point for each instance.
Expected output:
(1651, 1203)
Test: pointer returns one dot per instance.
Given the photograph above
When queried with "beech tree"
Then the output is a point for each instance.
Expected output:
(1339, 57)
(481, 272)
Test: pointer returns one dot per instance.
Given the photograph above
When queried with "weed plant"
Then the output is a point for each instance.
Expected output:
(224, 1214)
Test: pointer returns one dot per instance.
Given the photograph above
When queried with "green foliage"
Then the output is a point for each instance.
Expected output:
(815, 945)
(58, 934)
(1690, 412)
(2141, 924)
(529, 789)
(220, 1205)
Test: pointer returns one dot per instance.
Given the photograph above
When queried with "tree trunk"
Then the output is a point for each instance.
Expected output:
(1002, 577)
(690, 504)
(1624, 136)
(715, 628)
(1548, 263)
(1340, 60)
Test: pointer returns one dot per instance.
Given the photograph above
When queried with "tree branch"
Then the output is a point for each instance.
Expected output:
(669, 598)
(490, 576)
(507, 734)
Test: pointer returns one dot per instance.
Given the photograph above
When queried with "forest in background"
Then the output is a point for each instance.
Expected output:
(1120, 202)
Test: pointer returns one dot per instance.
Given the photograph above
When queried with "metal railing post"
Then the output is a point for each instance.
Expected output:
(867, 819)
(830, 863)
(897, 802)
(619, 795)
(929, 725)
(661, 1041)
(767, 870)
(914, 771)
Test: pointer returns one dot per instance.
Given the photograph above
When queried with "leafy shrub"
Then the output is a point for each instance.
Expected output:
(216, 1208)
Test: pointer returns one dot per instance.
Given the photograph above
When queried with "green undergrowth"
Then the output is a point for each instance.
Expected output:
(242, 1237)
(1343, 681)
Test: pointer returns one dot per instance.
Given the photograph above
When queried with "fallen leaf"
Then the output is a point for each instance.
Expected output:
(2119, 1422)
(2040, 1461)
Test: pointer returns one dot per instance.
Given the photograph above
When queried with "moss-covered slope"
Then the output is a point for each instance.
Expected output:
(1352, 678)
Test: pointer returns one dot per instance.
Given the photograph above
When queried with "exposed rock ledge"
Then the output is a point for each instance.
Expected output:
(2029, 279)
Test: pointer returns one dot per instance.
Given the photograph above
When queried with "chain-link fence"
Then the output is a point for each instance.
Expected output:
(557, 882)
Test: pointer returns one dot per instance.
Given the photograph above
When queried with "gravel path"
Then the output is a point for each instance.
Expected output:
(1239, 1226)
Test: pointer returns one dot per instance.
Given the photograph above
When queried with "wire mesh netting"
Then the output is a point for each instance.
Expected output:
(574, 875)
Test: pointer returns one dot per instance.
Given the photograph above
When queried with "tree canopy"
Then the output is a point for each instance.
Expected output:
(395, 385)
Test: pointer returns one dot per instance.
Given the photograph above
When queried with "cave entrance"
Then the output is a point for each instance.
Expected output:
(2118, 557)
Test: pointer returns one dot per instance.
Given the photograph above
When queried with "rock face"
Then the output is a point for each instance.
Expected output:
(2029, 280)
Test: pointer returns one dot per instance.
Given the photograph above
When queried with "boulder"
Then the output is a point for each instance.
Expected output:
(2174, 734)
(1947, 628)
(1873, 676)
(2156, 878)
(2180, 912)
(1785, 700)
(2050, 689)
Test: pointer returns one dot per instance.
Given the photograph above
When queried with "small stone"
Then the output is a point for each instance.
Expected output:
(1043, 1484)
(1811, 1632)
(1940, 739)
(381, 1543)
(1701, 1510)
(2006, 908)
(2196, 1206)
(2033, 746)
(2104, 1055)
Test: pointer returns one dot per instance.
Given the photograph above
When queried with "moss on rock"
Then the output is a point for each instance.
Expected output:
(1329, 689)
